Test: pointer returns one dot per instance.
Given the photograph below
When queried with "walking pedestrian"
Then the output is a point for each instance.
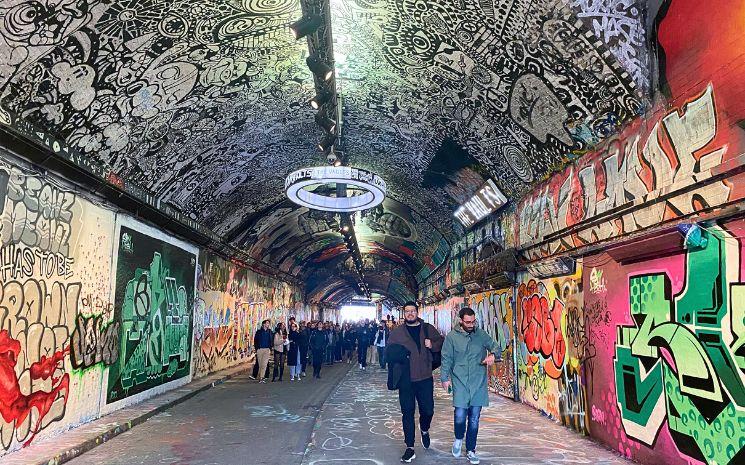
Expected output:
(416, 386)
(303, 345)
(338, 344)
(293, 352)
(318, 343)
(380, 339)
(329, 332)
(363, 341)
(467, 353)
(263, 344)
(350, 341)
(280, 350)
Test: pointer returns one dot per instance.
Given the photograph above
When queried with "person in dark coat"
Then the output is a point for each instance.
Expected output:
(350, 341)
(318, 343)
(293, 352)
(381, 337)
(421, 339)
(338, 344)
(363, 341)
(303, 345)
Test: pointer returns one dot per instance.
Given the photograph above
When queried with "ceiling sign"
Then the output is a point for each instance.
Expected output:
(485, 201)
(369, 188)
(551, 268)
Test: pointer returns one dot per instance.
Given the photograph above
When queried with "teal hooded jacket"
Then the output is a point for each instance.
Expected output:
(462, 354)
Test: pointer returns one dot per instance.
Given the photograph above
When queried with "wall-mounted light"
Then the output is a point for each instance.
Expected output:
(326, 143)
(319, 68)
(326, 123)
(305, 26)
(320, 99)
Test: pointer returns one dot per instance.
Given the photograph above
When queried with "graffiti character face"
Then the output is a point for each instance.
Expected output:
(536, 108)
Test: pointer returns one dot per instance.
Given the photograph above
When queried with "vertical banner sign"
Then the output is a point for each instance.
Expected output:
(154, 295)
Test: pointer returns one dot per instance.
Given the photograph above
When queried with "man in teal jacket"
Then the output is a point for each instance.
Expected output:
(467, 353)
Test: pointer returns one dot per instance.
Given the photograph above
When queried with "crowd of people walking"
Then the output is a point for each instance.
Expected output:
(317, 343)
(411, 351)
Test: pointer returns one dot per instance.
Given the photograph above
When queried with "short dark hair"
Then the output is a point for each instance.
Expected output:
(466, 311)
(411, 303)
(265, 321)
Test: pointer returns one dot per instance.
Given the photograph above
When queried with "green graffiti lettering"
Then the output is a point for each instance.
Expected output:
(682, 360)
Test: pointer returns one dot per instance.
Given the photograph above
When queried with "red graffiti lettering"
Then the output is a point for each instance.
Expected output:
(541, 328)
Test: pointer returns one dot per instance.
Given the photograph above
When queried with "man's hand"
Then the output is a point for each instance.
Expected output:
(428, 343)
(489, 360)
(445, 385)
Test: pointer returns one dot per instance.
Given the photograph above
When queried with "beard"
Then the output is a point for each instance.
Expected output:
(467, 329)
(411, 320)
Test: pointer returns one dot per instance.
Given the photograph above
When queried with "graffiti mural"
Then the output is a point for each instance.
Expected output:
(231, 303)
(153, 301)
(495, 315)
(54, 250)
(635, 167)
(551, 348)
(679, 362)
(446, 312)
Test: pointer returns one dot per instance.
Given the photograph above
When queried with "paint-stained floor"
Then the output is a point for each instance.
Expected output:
(243, 423)
(360, 424)
(238, 422)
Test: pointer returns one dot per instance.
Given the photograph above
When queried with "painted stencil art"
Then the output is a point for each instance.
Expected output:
(153, 301)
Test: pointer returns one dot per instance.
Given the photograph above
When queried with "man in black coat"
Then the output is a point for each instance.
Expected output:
(363, 341)
(318, 344)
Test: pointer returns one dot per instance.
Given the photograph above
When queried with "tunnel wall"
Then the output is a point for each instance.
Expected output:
(232, 301)
(99, 311)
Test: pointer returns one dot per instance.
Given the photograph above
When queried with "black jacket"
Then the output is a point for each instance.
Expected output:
(318, 340)
(292, 352)
(397, 358)
(264, 339)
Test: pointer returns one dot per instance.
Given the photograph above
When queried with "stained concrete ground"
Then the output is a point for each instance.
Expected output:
(237, 422)
(241, 422)
(360, 424)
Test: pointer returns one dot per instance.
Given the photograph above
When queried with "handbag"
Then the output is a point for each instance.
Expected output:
(436, 356)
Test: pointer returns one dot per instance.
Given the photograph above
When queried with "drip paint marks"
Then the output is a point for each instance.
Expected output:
(552, 347)
(54, 258)
(494, 312)
(153, 300)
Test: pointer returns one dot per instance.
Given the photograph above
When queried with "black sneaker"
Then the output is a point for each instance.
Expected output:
(425, 439)
(408, 456)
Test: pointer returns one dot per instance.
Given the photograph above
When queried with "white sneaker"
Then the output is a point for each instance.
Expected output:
(473, 458)
(457, 445)
(263, 380)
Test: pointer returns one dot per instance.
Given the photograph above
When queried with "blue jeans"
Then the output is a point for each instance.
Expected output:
(473, 414)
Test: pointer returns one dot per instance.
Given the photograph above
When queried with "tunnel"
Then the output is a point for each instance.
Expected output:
(367, 232)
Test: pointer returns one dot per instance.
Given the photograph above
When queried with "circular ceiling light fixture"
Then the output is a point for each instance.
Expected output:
(368, 189)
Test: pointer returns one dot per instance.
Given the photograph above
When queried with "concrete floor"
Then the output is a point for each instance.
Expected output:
(241, 422)
(360, 424)
(238, 422)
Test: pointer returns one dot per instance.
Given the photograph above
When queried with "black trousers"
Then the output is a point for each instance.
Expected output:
(279, 364)
(303, 359)
(362, 354)
(317, 361)
(418, 392)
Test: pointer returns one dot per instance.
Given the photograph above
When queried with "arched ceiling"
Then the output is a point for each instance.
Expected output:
(204, 103)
